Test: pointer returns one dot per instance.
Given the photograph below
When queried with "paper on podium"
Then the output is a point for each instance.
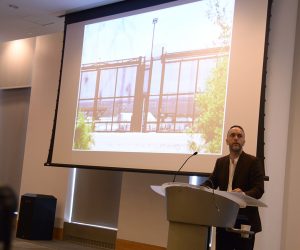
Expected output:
(240, 198)
(250, 201)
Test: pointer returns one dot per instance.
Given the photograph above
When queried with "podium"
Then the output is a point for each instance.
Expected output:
(192, 210)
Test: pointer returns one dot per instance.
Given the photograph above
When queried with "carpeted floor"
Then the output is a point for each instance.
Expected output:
(20, 244)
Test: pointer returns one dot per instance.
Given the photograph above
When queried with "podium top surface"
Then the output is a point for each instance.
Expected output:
(240, 198)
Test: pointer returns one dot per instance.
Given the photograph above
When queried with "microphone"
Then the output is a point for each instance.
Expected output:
(184, 164)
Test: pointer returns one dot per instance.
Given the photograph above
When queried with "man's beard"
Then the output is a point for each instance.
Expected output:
(237, 148)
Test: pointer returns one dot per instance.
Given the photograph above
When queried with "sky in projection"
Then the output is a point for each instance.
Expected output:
(181, 28)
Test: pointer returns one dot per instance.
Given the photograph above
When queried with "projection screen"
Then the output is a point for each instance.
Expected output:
(141, 90)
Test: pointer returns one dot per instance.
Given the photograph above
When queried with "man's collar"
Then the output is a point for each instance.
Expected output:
(236, 158)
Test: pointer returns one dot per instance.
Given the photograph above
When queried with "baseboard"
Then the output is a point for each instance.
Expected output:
(58, 233)
(90, 236)
(131, 245)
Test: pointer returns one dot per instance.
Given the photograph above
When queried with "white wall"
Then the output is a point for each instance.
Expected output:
(15, 79)
(279, 78)
(16, 59)
(142, 215)
(14, 106)
(291, 215)
(36, 178)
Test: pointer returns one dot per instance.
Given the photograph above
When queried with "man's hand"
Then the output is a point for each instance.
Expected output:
(238, 190)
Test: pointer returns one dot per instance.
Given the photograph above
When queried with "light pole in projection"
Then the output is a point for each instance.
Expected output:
(146, 95)
(154, 21)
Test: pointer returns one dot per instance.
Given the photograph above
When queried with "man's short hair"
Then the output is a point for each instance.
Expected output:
(237, 126)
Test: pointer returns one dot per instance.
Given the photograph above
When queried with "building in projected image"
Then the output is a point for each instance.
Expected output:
(157, 95)
(146, 96)
(161, 72)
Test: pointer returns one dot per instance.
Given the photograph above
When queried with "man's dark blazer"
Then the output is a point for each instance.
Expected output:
(249, 177)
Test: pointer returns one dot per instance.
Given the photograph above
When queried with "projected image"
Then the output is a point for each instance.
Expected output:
(156, 82)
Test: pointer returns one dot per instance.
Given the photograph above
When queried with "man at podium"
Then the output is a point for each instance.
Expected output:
(238, 172)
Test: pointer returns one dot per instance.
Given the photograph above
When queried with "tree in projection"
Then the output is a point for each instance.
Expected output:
(210, 110)
(83, 137)
(209, 104)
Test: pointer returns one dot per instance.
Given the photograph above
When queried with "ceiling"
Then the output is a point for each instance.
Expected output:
(28, 18)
